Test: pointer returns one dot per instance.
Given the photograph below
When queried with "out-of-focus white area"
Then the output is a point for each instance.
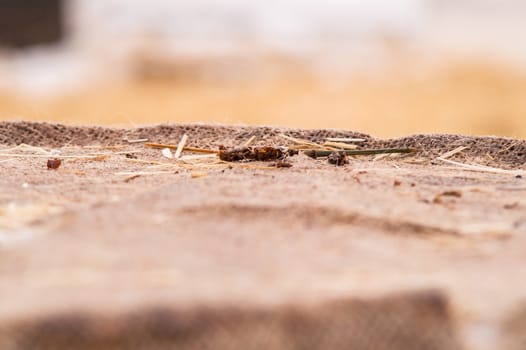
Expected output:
(205, 27)
(104, 36)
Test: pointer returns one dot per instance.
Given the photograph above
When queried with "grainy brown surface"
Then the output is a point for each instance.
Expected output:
(205, 254)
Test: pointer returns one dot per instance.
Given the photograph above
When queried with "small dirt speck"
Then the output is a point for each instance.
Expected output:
(510, 206)
(281, 164)
(53, 163)
(452, 193)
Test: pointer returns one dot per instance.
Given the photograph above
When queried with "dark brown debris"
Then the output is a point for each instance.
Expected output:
(510, 206)
(452, 193)
(338, 158)
(131, 178)
(282, 164)
(53, 163)
(264, 153)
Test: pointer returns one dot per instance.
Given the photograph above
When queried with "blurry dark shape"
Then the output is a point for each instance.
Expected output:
(151, 66)
(30, 22)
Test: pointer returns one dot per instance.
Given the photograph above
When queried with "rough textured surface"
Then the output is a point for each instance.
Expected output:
(130, 249)
(489, 150)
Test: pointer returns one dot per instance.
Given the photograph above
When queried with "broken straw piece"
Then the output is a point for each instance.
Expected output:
(197, 174)
(483, 168)
(452, 152)
(198, 157)
(303, 142)
(136, 140)
(24, 147)
(180, 146)
(249, 141)
(189, 149)
(339, 145)
(167, 153)
(16, 155)
(133, 173)
(344, 139)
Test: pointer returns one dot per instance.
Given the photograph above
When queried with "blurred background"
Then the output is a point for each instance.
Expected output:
(385, 67)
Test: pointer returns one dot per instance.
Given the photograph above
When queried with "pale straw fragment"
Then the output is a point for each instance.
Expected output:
(249, 141)
(452, 152)
(483, 168)
(180, 146)
(344, 139)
